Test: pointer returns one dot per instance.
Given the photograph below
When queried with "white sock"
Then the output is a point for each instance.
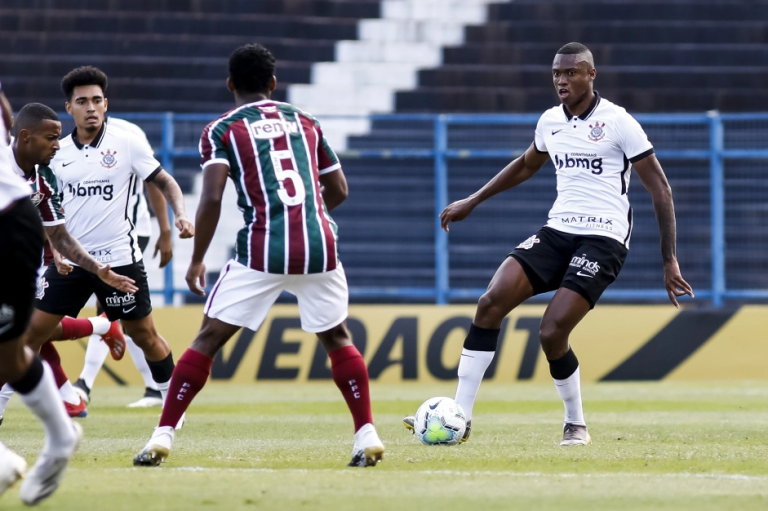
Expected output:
(472, 367)
(100, 324)
(45, 402)
(95, 355)
(137, 354)
(570, 392)
(163, 388)
(5, 395)
(68, 394)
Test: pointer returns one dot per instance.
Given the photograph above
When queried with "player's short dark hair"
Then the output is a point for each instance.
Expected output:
(85, 75)
(573, 49)
(251, 68)
(31, 115)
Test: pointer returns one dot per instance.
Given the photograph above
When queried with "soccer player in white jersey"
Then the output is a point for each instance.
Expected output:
(581, 250)
(22, 233)
(288, 179)
(96, 351)
(96, 167)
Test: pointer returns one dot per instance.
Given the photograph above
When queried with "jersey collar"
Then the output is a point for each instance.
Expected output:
(96, 141)
(589, 111)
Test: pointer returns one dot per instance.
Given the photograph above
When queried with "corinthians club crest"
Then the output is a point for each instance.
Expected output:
(596, 132)
(108, 159)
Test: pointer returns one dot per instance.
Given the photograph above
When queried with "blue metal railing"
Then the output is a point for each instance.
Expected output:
(442, 153)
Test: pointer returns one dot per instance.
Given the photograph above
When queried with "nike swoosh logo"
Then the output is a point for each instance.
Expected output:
(556, 132)
(129, 310)
(584, 274)
(6, 327)
(432, 407)
(73, 161)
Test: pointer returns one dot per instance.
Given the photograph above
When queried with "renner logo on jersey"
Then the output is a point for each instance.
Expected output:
(92, 188)
(589, 267)
(266, 129)
(588, 161)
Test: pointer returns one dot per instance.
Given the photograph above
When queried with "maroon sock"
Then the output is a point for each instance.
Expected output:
(351, 376)
(50, 354)
(73, 328)
(189, 377)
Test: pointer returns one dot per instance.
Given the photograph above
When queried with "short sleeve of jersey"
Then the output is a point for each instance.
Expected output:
(212, 147)
(631, 138)
(327, 161)
(143, 161)
(538, 139)
(49, 206)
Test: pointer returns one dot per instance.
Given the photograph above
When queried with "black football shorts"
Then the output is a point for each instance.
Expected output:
(585, 264)
(67, 294)
(21, 247)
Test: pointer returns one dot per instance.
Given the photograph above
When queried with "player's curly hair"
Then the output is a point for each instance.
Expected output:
(251, 68)
(85, 75)
(573, 49)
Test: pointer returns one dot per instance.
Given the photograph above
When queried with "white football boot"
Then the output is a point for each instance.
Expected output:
(12, 468)
(47, 473)
(157, 449)
(368, 449)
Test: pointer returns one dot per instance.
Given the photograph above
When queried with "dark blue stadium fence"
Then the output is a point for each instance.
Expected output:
(722, 137)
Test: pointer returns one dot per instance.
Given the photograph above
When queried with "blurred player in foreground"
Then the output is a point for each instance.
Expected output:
(581, 250)
(287, 179)
(96, 352)
(22, 233)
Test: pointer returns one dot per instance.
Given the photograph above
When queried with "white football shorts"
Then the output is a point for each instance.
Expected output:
(243, 297)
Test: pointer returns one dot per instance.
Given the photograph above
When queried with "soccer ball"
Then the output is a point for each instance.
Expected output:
(440, 421)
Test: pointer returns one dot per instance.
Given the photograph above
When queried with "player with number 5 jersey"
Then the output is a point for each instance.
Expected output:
(287, 179)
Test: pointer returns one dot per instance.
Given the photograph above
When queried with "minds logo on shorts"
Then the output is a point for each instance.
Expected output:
(126, 301)
(587, 161)
(92, 188)
(586, 267)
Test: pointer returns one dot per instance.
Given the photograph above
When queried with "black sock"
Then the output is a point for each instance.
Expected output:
(31, 378)
(162, 369)
(565, 366)
(481, 339)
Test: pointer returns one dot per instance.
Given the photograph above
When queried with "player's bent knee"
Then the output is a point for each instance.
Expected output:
(490, 309)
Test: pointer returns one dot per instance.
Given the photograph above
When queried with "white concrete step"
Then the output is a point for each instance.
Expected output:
(422, 53)
(396, 75)
(437, 33)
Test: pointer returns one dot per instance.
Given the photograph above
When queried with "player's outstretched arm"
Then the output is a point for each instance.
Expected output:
(207, 218)
(172, 193)
(70, 248)
(335, 190)
(164, 243)
(518, 171)
(654, 180)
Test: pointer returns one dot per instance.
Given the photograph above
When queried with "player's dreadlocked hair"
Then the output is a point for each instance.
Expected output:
(31, 115)
(85, 75)
(573, 49)
(251, 68)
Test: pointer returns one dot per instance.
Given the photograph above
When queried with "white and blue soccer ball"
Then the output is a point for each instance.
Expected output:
(440, 421)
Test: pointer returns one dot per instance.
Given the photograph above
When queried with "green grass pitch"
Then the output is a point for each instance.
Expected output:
(667, 446)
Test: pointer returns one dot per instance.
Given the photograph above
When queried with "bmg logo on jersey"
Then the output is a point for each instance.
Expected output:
(92, 188)
(588, 161)
(589, 268)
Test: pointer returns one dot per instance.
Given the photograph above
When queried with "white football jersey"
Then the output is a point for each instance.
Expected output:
(97, 182)
(138, 208)
(592, 154)
(12, 186)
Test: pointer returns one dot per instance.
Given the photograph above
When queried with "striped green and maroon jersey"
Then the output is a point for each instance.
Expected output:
(45, 195)
(276, 154)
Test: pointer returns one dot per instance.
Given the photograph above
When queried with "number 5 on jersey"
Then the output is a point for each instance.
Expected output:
(284, 175)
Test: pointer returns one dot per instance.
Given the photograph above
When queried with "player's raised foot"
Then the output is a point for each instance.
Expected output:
(409, 423)
(150, 398)
(157, 449)
(82, 390)
(467, 432)
(12, 468)
(78, 410)
(47, 473)
(368, 449)
(115, 339)
(575, 435)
